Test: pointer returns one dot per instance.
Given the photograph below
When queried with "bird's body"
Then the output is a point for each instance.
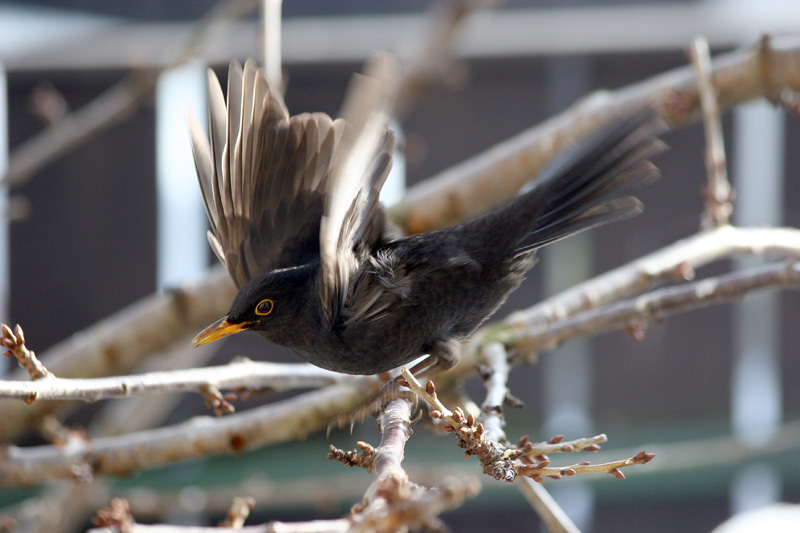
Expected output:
(382, 300)
(428, 290)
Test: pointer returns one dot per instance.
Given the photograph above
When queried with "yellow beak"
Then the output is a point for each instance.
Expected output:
(217, 330)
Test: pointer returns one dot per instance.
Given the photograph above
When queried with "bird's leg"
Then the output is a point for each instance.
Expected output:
(442, 358)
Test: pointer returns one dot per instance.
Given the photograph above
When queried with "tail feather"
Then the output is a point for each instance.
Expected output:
(588, 186)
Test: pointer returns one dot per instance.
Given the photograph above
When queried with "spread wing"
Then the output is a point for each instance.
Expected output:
(360, 167)
(264, 175)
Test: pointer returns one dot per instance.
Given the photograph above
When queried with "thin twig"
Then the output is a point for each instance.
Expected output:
(718, 191)
(537, 472)
(553, 516)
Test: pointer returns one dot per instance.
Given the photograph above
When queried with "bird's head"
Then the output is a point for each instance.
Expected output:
(275, 304)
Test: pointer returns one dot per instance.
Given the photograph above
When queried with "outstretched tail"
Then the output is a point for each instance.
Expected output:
(587, 185)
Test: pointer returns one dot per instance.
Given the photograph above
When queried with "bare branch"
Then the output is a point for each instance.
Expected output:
(391, 502)
(495, 458)
(557, 444)
(718, 192)
(341, 525)
(496, 359)
(489, 179)
(506, 462)
(201, 436)
(653, 306)
(677, 260)
(242, 374)
(496, 382)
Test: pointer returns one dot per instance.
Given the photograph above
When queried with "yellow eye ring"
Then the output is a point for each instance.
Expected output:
(265, 307)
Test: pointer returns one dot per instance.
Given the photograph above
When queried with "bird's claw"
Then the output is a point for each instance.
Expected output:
(373, 405)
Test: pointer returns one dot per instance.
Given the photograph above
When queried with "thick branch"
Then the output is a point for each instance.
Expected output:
(278, 422)
(489, 179)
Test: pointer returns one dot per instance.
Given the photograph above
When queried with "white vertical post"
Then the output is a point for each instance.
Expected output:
(182, 248)
(567, 381)
(756, 409)
(271, 24)
(5, 257)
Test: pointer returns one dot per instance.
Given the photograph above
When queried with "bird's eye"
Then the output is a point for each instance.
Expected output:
(264, 307)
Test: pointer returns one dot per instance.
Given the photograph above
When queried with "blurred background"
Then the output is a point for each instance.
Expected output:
(119, 217)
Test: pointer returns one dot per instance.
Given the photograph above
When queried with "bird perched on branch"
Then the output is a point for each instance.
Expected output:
(294, 213)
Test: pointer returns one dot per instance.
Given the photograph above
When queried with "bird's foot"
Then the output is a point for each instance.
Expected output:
(390, 390)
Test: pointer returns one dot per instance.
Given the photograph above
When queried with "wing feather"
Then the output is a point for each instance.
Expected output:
(366, 111)
(267, 178)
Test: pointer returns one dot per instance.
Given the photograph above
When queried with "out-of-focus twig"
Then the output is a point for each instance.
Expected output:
(238, 512)
(491, 178)
(113, 105)
(718, 192)
(271, 24)
(428, 60)
(553, 516)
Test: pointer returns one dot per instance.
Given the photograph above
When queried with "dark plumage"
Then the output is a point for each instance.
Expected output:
(344, 290)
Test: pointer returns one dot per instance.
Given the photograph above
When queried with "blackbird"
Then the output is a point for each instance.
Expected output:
(321, 270)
